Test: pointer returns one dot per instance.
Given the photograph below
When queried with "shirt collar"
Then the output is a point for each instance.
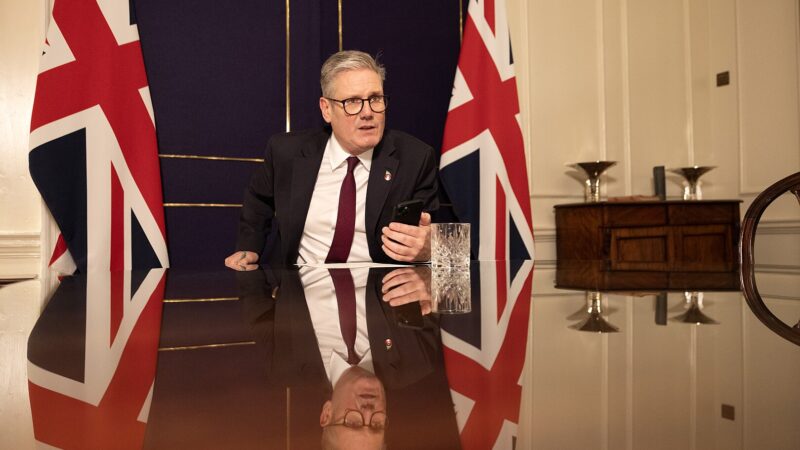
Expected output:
(337, 366)
(338, 155)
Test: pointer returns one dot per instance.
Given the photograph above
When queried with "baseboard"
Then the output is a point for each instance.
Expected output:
(20, 255)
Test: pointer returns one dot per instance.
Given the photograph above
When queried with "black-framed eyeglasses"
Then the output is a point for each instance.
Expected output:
(353, 106)
(354, 419)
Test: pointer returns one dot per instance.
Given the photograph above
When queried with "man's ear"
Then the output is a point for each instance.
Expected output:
(325, 109)
(326, 415)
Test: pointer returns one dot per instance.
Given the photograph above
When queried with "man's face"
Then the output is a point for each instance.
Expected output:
(359, 390)
(359, 132)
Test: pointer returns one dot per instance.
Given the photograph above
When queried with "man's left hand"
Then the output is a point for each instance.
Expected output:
(408, 243)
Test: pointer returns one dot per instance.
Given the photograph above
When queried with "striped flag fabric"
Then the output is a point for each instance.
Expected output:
(483, 166)
(93, 150)
(483, 170)
(484, 354)
(92, 360)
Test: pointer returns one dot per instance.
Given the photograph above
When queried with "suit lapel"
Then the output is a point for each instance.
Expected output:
(299, 342)
(305, 168)
(383, 163)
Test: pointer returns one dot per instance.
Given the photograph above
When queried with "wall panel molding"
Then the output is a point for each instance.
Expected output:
(777, 246)
(575, 197)
(517, 14)
(545, 242)
(775, 284)
(19, 254)
(737, 37)
(687, 73)
(778, 227)
(769, 92)
(626, 98)
(602, 104)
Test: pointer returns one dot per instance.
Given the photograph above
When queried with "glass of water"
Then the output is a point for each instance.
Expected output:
(450, 245)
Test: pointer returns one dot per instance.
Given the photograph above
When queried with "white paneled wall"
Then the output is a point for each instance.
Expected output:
(635, 82)
(21, 36)
(767, 43)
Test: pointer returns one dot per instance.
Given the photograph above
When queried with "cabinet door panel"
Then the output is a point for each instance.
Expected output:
(648, 248)
(704, 248)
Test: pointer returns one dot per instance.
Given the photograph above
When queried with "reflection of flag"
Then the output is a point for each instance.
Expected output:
(93, 154)
(483, 169)
(92, 360)
(484, 353)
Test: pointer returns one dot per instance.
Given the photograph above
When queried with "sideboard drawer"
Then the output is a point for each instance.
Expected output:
(633, 215)
(703, 214)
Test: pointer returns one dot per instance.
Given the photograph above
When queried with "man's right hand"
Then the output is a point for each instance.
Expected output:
(242, 261)
(408, 284)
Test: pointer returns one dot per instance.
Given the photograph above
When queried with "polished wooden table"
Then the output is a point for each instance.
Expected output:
(222, 359)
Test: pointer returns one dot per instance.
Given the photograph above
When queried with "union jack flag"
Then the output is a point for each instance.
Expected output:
(94, 156)
(92, 360)
(483, 166)
(483, 169)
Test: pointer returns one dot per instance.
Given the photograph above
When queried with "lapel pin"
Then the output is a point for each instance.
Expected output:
(387, 175)
(388, 344)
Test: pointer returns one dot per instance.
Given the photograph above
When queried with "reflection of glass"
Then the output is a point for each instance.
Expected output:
(595, 322)
(450, 245)
(593, 170)
(691, 190)
(450, 290)
(694, 313)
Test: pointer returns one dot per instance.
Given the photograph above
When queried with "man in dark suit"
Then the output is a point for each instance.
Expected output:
(332, 190)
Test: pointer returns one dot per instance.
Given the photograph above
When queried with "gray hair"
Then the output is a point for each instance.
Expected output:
(343, 61)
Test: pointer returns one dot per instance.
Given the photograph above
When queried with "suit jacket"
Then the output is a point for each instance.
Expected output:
(280, 189)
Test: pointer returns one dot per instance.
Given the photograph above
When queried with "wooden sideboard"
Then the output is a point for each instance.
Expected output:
(674, 235)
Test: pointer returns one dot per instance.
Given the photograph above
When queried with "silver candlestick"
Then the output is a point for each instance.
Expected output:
(694, 310)
(594, 321)
(593, 170)
(691, 191)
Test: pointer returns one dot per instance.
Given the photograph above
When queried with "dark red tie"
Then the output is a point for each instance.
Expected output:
(346, 299)
(345, 218)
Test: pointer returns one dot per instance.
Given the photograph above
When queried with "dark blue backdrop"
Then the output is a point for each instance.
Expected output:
(217, 73)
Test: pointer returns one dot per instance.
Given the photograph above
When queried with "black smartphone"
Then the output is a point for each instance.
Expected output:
(408, 315)
(408, 212)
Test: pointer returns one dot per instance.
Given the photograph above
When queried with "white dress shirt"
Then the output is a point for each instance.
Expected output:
(324, 207)
(324, 311)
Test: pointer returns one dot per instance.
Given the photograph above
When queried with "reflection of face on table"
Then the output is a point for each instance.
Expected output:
(399, 365)
(355, 416)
